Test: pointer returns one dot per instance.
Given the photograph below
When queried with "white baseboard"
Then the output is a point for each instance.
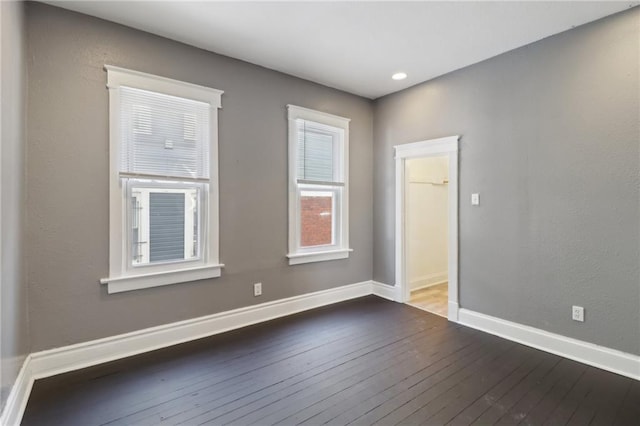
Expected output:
(428, 280)
(48, 363)
(60, 360)
(588, 353)
(18, 397)
(385, 291)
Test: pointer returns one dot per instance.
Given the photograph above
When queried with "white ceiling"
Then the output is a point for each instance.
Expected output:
(354, 46)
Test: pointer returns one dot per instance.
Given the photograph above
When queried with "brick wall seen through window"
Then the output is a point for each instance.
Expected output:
(316, 220)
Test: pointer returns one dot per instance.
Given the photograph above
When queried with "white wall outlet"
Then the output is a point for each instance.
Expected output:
(475, 199)
(577, 313)
(257, 289)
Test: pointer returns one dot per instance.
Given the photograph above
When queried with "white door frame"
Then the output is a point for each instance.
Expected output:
(435, 147)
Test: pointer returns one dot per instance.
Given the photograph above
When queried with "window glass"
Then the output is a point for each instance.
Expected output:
(315, 154)
(164, 225)
(316, 218)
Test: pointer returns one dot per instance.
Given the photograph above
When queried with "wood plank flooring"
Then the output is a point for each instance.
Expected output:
(434, 299)
(362, 362)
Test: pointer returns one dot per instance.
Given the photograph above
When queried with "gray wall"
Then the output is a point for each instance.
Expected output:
(550, 140)
(13, 295)
(67, 236)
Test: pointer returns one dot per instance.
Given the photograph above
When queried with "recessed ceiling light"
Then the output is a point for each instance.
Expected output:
(399, 76)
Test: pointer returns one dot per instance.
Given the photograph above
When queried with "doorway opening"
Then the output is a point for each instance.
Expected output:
(426, 232)
(427, 225)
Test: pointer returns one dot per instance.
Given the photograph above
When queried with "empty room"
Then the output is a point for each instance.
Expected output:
(344, 213)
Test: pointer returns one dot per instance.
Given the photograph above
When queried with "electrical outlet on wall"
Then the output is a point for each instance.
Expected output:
(257, 289)
(475, 199)
(577, 313)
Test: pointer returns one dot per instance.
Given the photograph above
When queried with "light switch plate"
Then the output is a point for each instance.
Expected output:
(475, 199)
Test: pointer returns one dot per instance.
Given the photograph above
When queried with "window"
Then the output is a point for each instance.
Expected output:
(318, 186)
(163, 186)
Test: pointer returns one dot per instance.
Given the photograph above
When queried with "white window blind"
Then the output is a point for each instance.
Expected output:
(318, 155)
(163, 136)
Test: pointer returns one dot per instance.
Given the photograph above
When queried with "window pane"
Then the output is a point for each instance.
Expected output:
(315, 153)
(317, 211)
(163, 135)
(164, 224)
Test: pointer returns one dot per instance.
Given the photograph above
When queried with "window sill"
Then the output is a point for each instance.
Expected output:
(318, 256)
(157, 279)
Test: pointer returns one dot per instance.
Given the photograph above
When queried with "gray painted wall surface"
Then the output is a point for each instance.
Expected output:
(14, 343)
(68, 171)
(550, 140)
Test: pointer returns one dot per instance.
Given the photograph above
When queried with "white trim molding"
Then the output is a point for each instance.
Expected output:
(318, 256)
(385, 291)
(19, 395)
(136, 282)
(118, 76)
(427, 148)
(453, 311)
(447, 146)
(587, 353)
(295, 112)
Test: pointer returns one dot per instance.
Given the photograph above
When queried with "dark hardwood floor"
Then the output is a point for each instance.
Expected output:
(366, 361)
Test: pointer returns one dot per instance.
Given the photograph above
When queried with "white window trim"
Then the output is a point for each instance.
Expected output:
(296, 255)
(120, 278)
